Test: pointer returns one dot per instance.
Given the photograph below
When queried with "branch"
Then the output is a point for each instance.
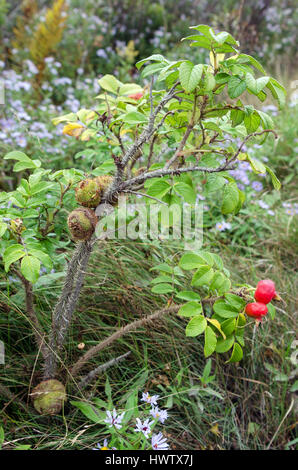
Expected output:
(37, 329)
(127, 329)
(118, 334)
(66, 304)
(100, 369)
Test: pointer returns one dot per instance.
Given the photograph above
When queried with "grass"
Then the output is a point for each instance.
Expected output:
(252, 405)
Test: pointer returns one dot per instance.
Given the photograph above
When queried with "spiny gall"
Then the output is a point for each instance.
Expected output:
(88, 193)
(265, 291)
(256, 310)
(81, 223)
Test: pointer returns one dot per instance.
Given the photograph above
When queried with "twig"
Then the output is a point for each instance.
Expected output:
(144, 195)
(100, 369)
(37, 329)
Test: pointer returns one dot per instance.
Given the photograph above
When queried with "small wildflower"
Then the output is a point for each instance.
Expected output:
(104, 447)
(148, 399)
(222, 226)
(145, 427)
(263, 204)
(257, 186)
(161, 415)
(114, 419)
(159, 442)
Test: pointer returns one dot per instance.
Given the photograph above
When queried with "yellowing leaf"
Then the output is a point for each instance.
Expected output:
(73, 129)
(217, 326)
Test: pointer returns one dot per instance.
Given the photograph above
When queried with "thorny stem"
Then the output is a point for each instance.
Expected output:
(66, 304)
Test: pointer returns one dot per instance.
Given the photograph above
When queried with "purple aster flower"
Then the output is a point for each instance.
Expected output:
(257, 186)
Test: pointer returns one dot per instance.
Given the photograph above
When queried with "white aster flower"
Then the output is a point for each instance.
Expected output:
(113, 419)
(161, 415)
(148, 399)
(159, 442)
(145, 427)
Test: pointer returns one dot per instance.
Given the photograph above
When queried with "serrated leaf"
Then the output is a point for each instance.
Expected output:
(162, 289)
(190, 309)
(30, 267)
(190, 75)
(236, 86)
(252, 122)
(202, 276)
(188, 295)
(230, 198)
(224, 310)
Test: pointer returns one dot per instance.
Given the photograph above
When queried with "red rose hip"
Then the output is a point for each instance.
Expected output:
(256, 310)
(265, 291)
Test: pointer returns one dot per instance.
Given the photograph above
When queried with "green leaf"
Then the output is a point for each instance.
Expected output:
(202, 276)
(3, 228)
(90, 411)
(159, 189)
(193, 260)
(190, 75)
(223, 345)
(278, 92)
(210, 341)
(274, 179)
(230, 198)
(30, 267)
(267, 121)
(225, 310)
(237, 116)
(186, 191)
(110, 83)
(271, 310)
(188, 295)
(196, 326)
(256, 86)
(214, 183)
(12, 254)
(237, 353)
(17, 155)
(43, 257)
(252, 61)
(228, 326)
(200, 41)
(236, 86)
(256, 165)
(154, 58)
(190, 309)
(162, 289)
(133, 118)
(236, 301)
(252, 122)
